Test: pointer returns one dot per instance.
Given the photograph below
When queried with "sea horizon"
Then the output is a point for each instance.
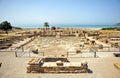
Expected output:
(69, 26)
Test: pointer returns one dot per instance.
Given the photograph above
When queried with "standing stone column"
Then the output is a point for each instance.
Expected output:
(76, 35)
(58, 35)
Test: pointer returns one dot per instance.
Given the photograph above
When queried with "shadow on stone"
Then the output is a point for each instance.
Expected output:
(35, 52)
(90, 71)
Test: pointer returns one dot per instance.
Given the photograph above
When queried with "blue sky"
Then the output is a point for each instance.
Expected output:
(20, 12)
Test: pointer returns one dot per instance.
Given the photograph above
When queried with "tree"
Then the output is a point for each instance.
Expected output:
(46, 24)
(5, 25)
(53, 28)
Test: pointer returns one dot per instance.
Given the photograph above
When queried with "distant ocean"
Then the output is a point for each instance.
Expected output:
(71, 26)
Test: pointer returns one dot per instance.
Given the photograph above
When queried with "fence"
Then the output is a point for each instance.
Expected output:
(26, 53)
(82, 54)
(106, 49)
(93, 51)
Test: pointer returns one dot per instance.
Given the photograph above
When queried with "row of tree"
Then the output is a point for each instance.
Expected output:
(5, 25)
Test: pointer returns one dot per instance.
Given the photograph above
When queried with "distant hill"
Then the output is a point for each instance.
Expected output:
(118, 24)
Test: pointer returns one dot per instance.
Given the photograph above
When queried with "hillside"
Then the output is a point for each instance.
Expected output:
(117, 24)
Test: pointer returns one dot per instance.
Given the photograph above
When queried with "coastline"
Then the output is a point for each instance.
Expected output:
(69, 26)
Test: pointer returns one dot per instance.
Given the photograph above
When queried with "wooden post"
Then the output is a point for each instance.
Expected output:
(119, 49)
(67, 54)
(43, 53)
(81, 54)
(94, 54)
(22, 49)
(108, 48)
(16, 53)
(29, 53)
(11, 48)
(0, 64)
